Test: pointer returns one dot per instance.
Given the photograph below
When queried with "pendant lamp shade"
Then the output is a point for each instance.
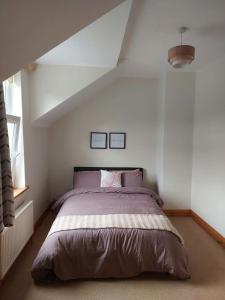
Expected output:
(181, 55)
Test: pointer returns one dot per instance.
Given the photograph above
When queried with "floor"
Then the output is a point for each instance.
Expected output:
(207, 266)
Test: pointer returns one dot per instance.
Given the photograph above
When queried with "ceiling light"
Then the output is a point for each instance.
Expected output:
(181, 55)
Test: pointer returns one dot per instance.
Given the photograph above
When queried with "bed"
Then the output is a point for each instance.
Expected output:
(110, 232)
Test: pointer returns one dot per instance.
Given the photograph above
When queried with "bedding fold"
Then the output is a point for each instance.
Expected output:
(139, 221)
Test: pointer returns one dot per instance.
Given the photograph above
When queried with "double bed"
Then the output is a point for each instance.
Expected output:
(110, 232)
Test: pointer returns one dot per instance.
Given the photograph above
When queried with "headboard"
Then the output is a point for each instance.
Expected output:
(78, 169)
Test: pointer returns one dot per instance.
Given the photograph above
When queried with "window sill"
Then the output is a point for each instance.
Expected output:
(18, 191)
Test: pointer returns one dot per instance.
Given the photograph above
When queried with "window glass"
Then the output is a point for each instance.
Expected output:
(11, 134)
(13, 123)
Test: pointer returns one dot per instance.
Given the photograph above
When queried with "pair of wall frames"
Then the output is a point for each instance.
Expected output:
(99, 140)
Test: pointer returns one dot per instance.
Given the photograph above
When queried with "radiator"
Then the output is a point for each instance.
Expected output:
(13, 239)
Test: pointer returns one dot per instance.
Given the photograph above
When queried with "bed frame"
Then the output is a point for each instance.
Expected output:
(79, 169)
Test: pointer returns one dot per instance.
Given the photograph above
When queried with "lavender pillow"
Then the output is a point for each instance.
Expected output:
(132, 178)
(89, 179)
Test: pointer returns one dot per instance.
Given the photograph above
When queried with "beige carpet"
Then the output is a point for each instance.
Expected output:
(207, 265)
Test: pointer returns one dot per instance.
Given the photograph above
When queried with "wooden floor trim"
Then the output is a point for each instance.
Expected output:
(195, 217)
(177, 212)
(209, 229)
(42, 217)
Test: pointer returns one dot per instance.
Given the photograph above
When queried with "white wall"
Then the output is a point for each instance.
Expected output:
(160, 133)
(158, 118)
(208, 178)
(174, 139)
(50, 85)
(176, 129)
(36, 157)
(128, 105)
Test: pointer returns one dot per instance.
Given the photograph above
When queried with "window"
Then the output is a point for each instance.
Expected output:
(13, 123)
(13, 104)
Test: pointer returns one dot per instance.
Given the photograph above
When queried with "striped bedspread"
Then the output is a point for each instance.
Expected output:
(138, 221)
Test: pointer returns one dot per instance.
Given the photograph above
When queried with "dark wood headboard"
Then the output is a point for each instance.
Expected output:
(78, 169)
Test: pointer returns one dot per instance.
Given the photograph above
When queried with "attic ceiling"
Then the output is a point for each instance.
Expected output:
(28, 29)
(77, 63)
(49, 118)
(153, 29)
(98, 44)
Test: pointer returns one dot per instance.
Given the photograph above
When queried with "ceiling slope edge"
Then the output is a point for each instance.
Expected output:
(48, 119)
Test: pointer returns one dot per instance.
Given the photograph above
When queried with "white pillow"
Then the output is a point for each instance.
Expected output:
(110, 179)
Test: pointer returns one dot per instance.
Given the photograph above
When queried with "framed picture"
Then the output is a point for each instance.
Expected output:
(117, 140)
(98, 140)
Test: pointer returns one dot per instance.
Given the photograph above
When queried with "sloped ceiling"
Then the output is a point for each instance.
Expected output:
(98, 44)
(75, 64)
(49, 118)
(30, 28)
(52, 85)
(152, 29)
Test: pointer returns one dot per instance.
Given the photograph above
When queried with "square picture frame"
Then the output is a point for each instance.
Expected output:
(98, 140)
(117, 140)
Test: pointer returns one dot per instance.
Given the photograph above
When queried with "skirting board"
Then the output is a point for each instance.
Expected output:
(190, 213)
(211, 231)
(42, 217)
(177, 212)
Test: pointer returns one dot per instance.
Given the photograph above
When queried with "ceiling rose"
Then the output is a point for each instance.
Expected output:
(181, 55)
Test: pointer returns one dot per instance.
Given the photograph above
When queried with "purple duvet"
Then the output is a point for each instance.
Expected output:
(109, 252)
